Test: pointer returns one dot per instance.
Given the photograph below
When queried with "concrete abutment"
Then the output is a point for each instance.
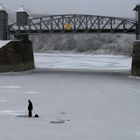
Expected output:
(16, 56)
(135, 69)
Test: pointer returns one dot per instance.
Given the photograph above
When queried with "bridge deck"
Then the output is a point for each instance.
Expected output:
(132, 31)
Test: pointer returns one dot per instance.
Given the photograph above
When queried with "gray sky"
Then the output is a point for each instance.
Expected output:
(121, 8)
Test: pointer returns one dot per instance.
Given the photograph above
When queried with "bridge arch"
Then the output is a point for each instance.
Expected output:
(75, 23)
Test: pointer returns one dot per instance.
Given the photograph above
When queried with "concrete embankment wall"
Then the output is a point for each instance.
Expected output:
(16, 56)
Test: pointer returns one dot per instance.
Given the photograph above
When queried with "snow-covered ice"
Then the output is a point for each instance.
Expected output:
(82, 62)
(92, 95)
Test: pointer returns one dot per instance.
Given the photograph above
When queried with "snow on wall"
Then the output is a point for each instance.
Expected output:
(4, 42)
(21, 9)
(1, 7)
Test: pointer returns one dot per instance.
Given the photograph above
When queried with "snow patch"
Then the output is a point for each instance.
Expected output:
(58, 121)
(10, 87)
(134, 77)
(1, 7)
(21, 9)
(4, 42)
(30, 92)
(11, 112)
(3, 101)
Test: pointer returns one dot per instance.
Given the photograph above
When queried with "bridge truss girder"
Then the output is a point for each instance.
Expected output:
(76, 24)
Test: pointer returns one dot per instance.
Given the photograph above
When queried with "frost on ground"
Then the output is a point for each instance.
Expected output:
(103, 104)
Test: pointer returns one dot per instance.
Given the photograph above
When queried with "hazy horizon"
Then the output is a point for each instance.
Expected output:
(93, 7)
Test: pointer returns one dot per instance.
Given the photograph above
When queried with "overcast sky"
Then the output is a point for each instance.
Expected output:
(121, 8)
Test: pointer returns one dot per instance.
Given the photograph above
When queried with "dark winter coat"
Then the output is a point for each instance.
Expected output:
(30, 106)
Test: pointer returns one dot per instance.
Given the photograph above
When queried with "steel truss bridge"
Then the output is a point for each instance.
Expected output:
(75, 24)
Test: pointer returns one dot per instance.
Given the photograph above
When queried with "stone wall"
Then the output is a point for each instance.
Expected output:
(16, 56)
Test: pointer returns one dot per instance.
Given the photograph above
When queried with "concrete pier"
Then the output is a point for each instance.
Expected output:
(16, 56)
(3, 24)
(135, 70)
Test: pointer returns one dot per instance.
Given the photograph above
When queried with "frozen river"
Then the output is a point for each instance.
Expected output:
(90, 97)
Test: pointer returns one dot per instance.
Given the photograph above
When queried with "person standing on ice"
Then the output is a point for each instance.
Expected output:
(30, 108)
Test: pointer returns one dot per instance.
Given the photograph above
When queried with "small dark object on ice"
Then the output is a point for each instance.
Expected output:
(59, 121)
(63, 113)
(36, 116)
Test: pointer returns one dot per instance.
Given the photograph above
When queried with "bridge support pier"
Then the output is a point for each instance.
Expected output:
(135, 69)
(16, 56)
(22, 37)
(3, 24)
